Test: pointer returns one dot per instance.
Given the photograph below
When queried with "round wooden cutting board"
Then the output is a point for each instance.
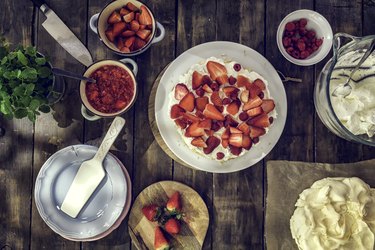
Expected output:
(193, 228)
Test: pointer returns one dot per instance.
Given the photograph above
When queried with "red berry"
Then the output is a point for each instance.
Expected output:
(270, 119)
(215, 126)
(302, 22)
(243, 116)
(200, 92)
(237, 67)
(290, 26)
(206, 80)
(286, 41)
(295, 54)
(232, 80)
(301, 46)
(220, 155)
(319, 42)
(226, 101)
(289, 33)
(214, 86)
(311, 34)
(304, 54)
(289, 50)
(220, 108)
(261, 95)
(255, 140)
(314, 47)
(302, 32)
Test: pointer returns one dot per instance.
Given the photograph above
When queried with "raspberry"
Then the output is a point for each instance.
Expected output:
(232, 80)
(302, 22)
(290, 26)
(220, 155)
(243, 116)
(237, 67)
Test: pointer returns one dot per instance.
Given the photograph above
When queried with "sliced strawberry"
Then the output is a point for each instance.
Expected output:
(244, 96)
(115, 17)
(142, 27)
(256, 132)
(134, 25)
(233, 130)
(151, 212)
(252, 103)
(235, 140)
(182, 123)
(130, 6)
(128, 17)
(145, 17)
(207, 88)
(125, 50)
(129, 42)
(254, 111)
(212, 142)
(190, 117)
(235, 150)
(215, 99)
(160, 242)
(225, 143)
(180, 91)
(212, 113)
(246, 142)
(139, 43)
(199, 114)
(197, 80)
(229, 90)
(233, 108)
(229, 121)
(143, 34)
(268, 105)
(201, 102)
(243, 81)
(220, 108)
(206, 124)
(174, 202)
(199, 142)
(128, 33)
(260, 121)
(209, 132)
(260, 84)
(244, 128)
(120, 104)
(218, 72)
(194, 131)
(187, 102)
(120, 43)
(109, 35)
(172, 226)
(254, 90)
(225, 135)
(176, 111)
(124, 11)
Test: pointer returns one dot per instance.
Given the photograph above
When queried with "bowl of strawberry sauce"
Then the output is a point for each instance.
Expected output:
(114, 91)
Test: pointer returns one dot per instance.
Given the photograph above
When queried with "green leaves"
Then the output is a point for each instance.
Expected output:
(25, 82)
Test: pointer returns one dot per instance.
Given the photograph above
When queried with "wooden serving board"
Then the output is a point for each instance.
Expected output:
(154, 126)
(195, 222)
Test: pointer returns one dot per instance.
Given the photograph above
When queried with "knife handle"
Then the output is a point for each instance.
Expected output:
(38, 3)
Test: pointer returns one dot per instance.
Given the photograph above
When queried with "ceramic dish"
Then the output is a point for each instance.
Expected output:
(103, 208)
(248, 58)
(316, 22)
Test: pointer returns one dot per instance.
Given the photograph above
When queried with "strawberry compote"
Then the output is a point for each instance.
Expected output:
(221, 109)
(113, 90)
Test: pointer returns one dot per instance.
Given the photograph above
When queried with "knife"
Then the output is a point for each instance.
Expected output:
(63, 35)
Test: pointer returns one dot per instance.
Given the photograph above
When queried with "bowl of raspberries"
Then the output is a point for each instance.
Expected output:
(304, 37)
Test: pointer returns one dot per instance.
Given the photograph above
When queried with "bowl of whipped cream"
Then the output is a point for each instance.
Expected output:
(352, 116)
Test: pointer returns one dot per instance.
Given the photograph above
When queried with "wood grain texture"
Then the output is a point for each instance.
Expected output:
(238, 197)
(195, 222)
(16, 145)
(63, 126)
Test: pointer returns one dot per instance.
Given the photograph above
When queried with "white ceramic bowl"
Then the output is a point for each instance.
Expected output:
(316, 22)
(248, 58)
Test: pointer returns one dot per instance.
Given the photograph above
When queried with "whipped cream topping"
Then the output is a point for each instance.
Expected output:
(335, 213)
(357, 110)
(201, 68)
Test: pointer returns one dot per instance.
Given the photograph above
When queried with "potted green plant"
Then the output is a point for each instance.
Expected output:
(26, 82)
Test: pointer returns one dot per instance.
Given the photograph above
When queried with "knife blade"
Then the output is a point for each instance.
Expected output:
(63, 35)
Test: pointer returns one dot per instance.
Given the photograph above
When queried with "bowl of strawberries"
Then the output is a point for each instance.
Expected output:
(220, 107)
(304, 37)
(127, 27)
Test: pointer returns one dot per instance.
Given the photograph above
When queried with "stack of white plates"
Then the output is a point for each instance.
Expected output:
(105, 209)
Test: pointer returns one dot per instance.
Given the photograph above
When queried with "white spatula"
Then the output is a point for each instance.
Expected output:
(90, 173)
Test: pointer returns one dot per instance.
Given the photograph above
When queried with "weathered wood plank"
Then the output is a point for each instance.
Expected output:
(16, 145)
(344, 16)
(196, 25)
(62, 127)
(238, 197)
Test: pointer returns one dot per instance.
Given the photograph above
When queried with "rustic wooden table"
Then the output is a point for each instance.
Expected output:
(235, 201)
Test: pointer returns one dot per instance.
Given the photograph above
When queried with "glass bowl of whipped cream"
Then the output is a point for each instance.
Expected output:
(350, 116)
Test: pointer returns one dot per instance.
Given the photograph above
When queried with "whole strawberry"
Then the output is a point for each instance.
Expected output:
(160, 242)
(151, 212)
(174, 203)
(172, 226)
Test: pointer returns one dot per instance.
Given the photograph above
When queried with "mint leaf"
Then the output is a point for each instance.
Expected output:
(4, 60)
(31, 51)
(31, 115)
(29, 88)
(22, 58)
(20, 113)
(40, 60)
(44, 108)
(44, 72)
(34, 104)
(29, 74)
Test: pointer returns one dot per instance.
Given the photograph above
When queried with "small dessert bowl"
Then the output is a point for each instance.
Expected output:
(102, 99)
(137, 43)
(315, 22)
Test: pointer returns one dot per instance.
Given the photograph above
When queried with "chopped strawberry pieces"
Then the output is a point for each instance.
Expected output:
(215, 99)
(180, 91)
(233, 130)
(235, 150)
(194, 130)
(246, 142)
(206, 124)
(233, 108)
(225, 134)
(229, 121)
(217, 71)
(243, 81)
(260, 121)
(256, 132)
(212, 142)
(260, 84)
(229, 90)
(207, 88)
(252, 103)
(182, 123)
(244, 128)
(188, 102)
(199, 142)
(254, 111)
(115, 17)
(225, 143)
(176, 111)
(197, 80)
(235, 140)
(212, 113)
(268, 105)
(201, 102)
(244, 96)
(144, 16)
(254, 90)
(191, 117)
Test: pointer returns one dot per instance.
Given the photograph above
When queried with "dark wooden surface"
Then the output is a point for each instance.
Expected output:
(235, 201)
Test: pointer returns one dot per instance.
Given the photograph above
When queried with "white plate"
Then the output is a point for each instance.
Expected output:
(103, 208)
(248, 58)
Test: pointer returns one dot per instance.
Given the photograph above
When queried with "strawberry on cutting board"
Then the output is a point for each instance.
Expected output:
(160, 242)
(151, 212)
(172, 226)
(174, 202)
